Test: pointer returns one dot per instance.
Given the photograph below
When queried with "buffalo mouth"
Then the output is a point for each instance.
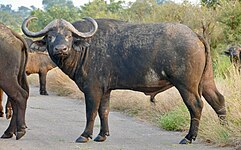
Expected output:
(60, 54)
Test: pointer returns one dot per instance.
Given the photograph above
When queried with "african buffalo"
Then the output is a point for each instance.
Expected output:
(104, 54)
(13, 80)
(234, 54)
(40, 63)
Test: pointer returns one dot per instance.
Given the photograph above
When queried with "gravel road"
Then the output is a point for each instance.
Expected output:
(54, 123)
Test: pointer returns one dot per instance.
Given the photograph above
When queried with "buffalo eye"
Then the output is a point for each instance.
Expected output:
(51, 38)
(68, 37)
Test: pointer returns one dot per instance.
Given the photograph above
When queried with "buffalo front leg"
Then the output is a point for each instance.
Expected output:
(42, 82)
(103, 111)
(92, 102)
(18, 98)
(194, 104)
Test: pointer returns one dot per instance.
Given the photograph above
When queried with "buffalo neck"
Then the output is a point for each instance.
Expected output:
(75, 63)
(68, 65)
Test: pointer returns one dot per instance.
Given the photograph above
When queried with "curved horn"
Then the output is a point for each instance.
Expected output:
(36, 34)
(81, 34)
(56, 23)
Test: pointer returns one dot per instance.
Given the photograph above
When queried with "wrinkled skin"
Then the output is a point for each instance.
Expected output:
(149, 58)
(234, 54)
(13, 79)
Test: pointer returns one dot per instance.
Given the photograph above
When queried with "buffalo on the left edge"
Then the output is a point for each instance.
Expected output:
(13, 80)
(38, 62)
(102, 55)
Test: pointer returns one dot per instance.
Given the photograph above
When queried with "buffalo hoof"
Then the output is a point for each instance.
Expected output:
(7, 135)
(185, 141)
(43, 93)
(20, 134)
(82, 139)
(100, 138)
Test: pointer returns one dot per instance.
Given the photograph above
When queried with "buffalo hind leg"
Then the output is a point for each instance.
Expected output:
(42, 83)
(18, 98)
(21, 108)
(194, 104)
(103, 111)
(13, 122)
(215, 100)
(1, 103)
(92, 102)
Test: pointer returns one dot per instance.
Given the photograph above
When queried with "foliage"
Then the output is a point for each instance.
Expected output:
(101, 9)
(230, 17)
(13, 18)
(9, 20)
(6, 8)
(141, 11)
(210, 3)
(60, 3)
(55, 12)
(161, 1)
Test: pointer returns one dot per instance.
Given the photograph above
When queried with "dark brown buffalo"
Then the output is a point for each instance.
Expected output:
(13, 80)
(103, 55)
(234, 53)
(40, 63)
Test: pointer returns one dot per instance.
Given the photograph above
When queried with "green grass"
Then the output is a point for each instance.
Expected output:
(175, 120)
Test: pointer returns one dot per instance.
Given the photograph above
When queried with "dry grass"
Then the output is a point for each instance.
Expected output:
(61, 84)
(137, 104)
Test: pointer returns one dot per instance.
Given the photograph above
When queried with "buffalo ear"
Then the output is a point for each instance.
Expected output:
(38, 45)
(79, 44)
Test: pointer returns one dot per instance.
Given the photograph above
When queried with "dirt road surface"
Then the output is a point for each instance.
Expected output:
(54, 123)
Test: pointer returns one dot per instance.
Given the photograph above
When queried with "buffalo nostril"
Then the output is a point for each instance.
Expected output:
(65, 49)
(60, 48)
